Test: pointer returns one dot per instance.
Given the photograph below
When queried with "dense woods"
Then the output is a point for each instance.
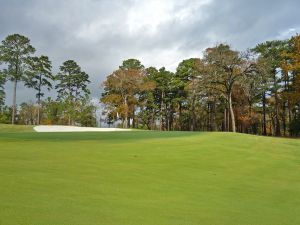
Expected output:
(256, 91)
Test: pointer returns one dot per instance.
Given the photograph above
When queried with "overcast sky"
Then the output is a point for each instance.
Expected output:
(100, 34)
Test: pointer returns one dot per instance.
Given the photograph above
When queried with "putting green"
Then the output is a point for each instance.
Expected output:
(147, 178)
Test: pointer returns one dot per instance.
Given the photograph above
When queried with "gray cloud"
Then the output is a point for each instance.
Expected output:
(99, 34)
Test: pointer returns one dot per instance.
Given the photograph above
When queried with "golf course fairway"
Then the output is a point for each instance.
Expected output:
(147, 177)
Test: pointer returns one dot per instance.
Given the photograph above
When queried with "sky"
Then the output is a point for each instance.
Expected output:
(100, 34)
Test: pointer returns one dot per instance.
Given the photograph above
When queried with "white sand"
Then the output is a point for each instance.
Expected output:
(59, 128)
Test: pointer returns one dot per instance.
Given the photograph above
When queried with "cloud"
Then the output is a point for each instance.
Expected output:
(99, 34)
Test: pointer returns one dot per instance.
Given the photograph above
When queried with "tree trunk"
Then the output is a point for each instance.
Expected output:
(264, 123)
(231, 113)
(179, 116)
(250, 128)
(153, 125)
(213, 117)
(284, 118)
(273, 127)
(193, 115)
(128, 122)
(228, 119)
(208, 117)
(161, 111)
(125, 124)
(168, 113)
(38, 115)
(14, 109)
(225, 120)
(171, 120)
(277, 121)
(39, 100)
(38, 111)
(133, 119)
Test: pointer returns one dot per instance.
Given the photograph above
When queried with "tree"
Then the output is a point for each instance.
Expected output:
(252, 87)
(271, 52)
(225, 68)
(39, 76)
(2, 92)
(147, 101)
(15, 51)
(5, 114)
(121, 88)
(187, 85)
(27, 114)
(131, 64)
(52, 110)
(291, 68)
(163, 94)
(72, 87)
(124, 91)
(264, 80)
(86, 114)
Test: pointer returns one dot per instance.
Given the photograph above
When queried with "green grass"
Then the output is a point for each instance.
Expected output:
(176, 178)
(8, 128)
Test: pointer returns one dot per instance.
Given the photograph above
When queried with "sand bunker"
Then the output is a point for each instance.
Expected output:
(59, 128)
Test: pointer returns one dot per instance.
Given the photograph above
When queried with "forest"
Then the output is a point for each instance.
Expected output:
(256, 91)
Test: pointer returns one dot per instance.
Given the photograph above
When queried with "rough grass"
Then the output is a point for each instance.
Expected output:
(8, 128)
(148, 178)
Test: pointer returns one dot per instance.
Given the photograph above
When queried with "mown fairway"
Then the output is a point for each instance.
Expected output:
(147, 178)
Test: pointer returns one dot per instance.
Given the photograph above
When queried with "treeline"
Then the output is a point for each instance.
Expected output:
(255, 92)
(20, 65)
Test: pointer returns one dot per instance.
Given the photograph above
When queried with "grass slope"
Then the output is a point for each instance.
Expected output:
(148, 178)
